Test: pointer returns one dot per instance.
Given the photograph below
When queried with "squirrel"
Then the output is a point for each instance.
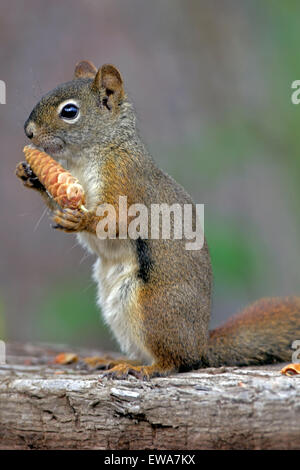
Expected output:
(154, 294)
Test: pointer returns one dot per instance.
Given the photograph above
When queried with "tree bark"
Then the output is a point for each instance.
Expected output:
(49, 406)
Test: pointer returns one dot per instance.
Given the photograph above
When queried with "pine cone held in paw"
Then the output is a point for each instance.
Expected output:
(60, 184)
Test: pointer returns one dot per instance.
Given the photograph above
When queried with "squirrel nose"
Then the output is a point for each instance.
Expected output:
(29, 129)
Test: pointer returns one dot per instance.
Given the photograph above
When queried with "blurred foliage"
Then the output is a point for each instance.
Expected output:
(279, 124)
(233, 254)
(244, 56)
(222, 147)
(69, 314)
(2, 325)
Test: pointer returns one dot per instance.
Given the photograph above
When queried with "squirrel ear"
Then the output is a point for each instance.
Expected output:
(109, 78)
(85, 69)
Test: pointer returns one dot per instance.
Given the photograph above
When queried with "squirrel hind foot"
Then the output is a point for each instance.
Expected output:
(106, 362)
(123, 370)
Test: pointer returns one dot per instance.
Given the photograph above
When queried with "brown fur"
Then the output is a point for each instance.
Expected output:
(262, 333)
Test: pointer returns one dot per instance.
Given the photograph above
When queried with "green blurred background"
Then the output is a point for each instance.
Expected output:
(211, 83)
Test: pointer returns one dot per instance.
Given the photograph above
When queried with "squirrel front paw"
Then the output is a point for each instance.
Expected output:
(30, 180)
(70, 220)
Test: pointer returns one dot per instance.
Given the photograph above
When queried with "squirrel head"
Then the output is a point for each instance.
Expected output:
(91, 109)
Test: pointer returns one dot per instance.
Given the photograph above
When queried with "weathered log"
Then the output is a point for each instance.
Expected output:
(49, 406)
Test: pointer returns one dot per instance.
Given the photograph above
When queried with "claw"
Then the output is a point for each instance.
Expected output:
(30, 180)
(123, 371)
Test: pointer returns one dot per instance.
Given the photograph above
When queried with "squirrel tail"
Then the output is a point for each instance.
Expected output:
(261, 334)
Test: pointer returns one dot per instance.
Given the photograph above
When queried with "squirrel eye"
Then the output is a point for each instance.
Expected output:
(69, 111)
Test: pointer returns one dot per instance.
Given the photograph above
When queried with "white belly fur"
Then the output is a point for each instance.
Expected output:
(115, 274)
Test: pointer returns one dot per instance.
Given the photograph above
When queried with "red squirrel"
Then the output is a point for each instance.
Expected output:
(154, 294)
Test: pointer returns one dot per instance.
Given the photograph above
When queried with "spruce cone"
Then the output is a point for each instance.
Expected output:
(60, 184)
